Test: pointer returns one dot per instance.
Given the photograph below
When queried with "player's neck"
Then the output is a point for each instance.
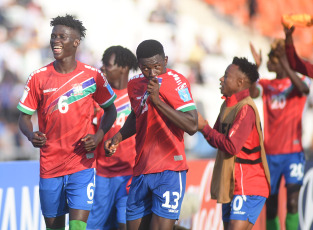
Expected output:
(120, 83)
(65, 66)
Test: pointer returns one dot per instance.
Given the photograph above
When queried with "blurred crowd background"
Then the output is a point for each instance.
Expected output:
(201, 37)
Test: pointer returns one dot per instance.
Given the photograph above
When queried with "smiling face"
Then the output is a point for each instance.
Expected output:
(64, 42)
(153, 66)
(232, 81)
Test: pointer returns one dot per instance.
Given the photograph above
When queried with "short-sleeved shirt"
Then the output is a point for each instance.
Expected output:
(159, 143)
(123, 160)
(64, 103)
(283, 106)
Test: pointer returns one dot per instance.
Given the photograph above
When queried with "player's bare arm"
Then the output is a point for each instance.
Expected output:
(187, 121)
(128, 130)
(107, 120)
(38, 139)
(201, 122)
(254, 91)
(296, 81)
(256, 56)
(288, 33)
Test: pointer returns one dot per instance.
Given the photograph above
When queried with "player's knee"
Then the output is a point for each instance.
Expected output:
(77, 225)
(292, 205)
(292, 198)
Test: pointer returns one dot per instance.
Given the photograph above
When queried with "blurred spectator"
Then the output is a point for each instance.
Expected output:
(199, 42)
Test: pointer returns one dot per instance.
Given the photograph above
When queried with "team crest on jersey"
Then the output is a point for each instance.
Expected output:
(184, 94)
(77, 89)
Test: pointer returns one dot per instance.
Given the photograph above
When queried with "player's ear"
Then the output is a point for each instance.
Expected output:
(125, 69)
(76, 43)
(165, 61)
(240, 81)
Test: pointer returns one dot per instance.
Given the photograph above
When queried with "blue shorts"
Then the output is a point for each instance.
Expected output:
(59, 194)
(109, 207)
(289, 165)
(159, 193)
(243, 208)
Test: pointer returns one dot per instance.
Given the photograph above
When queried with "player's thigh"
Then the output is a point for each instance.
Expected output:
(158, 222)
(55, 222)
(239, 225)
(78, 214)
(139, 201)
(243, 208)
(276, 167)
(168, 190)
(292, 197)
(272, 206)
(103, 206)
(53, 197)
(294, 168)
(139, 224)
(80, 189)
(121, 199)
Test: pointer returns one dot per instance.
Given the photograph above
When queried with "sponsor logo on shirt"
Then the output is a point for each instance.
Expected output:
(49, 90)
(184, 94)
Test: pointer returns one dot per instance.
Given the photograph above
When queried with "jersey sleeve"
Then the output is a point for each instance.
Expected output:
(104, 95)
(262, 85)
(233, 141)
(29, 101)
(180, 97)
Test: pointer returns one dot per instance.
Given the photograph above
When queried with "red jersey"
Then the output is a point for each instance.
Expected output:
(283, 106)
(123, 160)
(250, 179)
(64, 103)
(159, 143)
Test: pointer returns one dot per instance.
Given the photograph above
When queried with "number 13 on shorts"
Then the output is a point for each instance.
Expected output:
(167, 204)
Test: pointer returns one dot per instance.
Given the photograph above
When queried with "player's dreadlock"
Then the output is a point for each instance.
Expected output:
(248, 68)
(70, 21)
(123, 57)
